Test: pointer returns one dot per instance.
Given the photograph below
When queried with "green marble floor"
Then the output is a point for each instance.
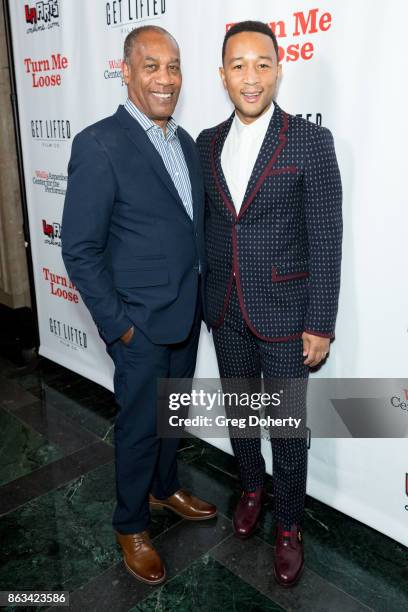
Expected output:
(57, 493)
(206, 585)
(22, 449)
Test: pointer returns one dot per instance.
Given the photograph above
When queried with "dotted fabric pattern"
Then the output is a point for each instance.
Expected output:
(288, 233)
(241, 355)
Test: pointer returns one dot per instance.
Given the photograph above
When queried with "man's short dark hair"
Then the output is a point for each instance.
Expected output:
(250, 26)
(132, 37)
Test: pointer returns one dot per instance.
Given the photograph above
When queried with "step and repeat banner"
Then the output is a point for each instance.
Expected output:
(344, 67)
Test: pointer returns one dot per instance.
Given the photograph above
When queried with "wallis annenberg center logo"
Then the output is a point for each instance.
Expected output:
(132, 12)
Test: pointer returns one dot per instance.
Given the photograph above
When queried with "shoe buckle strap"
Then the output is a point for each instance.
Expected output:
(291, 536)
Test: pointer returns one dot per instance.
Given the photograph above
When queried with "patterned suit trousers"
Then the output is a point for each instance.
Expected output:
(241, 355)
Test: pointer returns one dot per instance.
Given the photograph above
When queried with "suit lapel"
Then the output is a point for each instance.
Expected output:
(268, 147)
(218, 174)
(190, 157)
(272, 146)
(147, 149)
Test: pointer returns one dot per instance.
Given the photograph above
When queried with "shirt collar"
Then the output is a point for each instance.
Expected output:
(258, 126)
(146, 123)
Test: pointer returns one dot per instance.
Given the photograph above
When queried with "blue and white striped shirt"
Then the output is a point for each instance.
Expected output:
(169, 149)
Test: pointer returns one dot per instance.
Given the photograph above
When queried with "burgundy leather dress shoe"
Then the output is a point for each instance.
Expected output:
(289, 556)
(247, 512)
(185, 505)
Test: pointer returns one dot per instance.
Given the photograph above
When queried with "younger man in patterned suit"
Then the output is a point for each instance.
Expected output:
(273, 233)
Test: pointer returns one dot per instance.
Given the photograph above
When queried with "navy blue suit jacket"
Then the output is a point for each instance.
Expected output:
(128, 243)
(283, 249)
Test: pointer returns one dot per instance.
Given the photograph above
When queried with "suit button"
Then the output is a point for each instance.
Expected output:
(237, 227)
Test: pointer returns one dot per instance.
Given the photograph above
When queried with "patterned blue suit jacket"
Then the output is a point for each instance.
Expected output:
(283, 249)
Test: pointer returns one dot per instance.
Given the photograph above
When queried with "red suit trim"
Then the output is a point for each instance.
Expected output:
(268, 170)
(286, 169)
(282, 143)
(220, 319)
(230, 206)
(276, 277)
(320, 334)
(241, 299)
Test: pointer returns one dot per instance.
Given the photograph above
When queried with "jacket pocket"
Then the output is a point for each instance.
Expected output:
(290, 271)
(283, 170)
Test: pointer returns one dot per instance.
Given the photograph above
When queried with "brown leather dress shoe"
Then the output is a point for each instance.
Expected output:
(140, 558)
(186, 505)
(247, 512)
(289, 556)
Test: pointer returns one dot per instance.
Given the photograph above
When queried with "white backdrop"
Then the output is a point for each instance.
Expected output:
(344, 63)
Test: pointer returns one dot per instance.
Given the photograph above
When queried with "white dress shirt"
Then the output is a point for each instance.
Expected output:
(240, 151)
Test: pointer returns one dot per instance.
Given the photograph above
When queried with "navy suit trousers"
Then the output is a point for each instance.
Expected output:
(144, 462)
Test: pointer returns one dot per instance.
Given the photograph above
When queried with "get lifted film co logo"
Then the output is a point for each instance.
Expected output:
(42, 16)
(304, 24)
(51, 132)
(38, 70)
(132, 12)
(68, 334)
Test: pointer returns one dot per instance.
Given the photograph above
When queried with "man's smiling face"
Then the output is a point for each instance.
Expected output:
(250, 73)
(153, 75)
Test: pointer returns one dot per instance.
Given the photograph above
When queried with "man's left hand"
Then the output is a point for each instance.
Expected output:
(315, 348)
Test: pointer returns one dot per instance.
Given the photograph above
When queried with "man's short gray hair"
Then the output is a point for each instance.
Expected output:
(133, 36)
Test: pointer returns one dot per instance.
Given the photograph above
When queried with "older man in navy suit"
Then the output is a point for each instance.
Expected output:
(133, 244)
(274, 233)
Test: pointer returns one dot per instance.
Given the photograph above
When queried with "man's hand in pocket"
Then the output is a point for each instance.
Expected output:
(128, 335)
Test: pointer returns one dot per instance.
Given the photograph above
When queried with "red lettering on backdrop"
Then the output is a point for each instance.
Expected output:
(61, 286)
(308, 25)
(48, 81)
(69, 296)
(57, 64)
(305, 23)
